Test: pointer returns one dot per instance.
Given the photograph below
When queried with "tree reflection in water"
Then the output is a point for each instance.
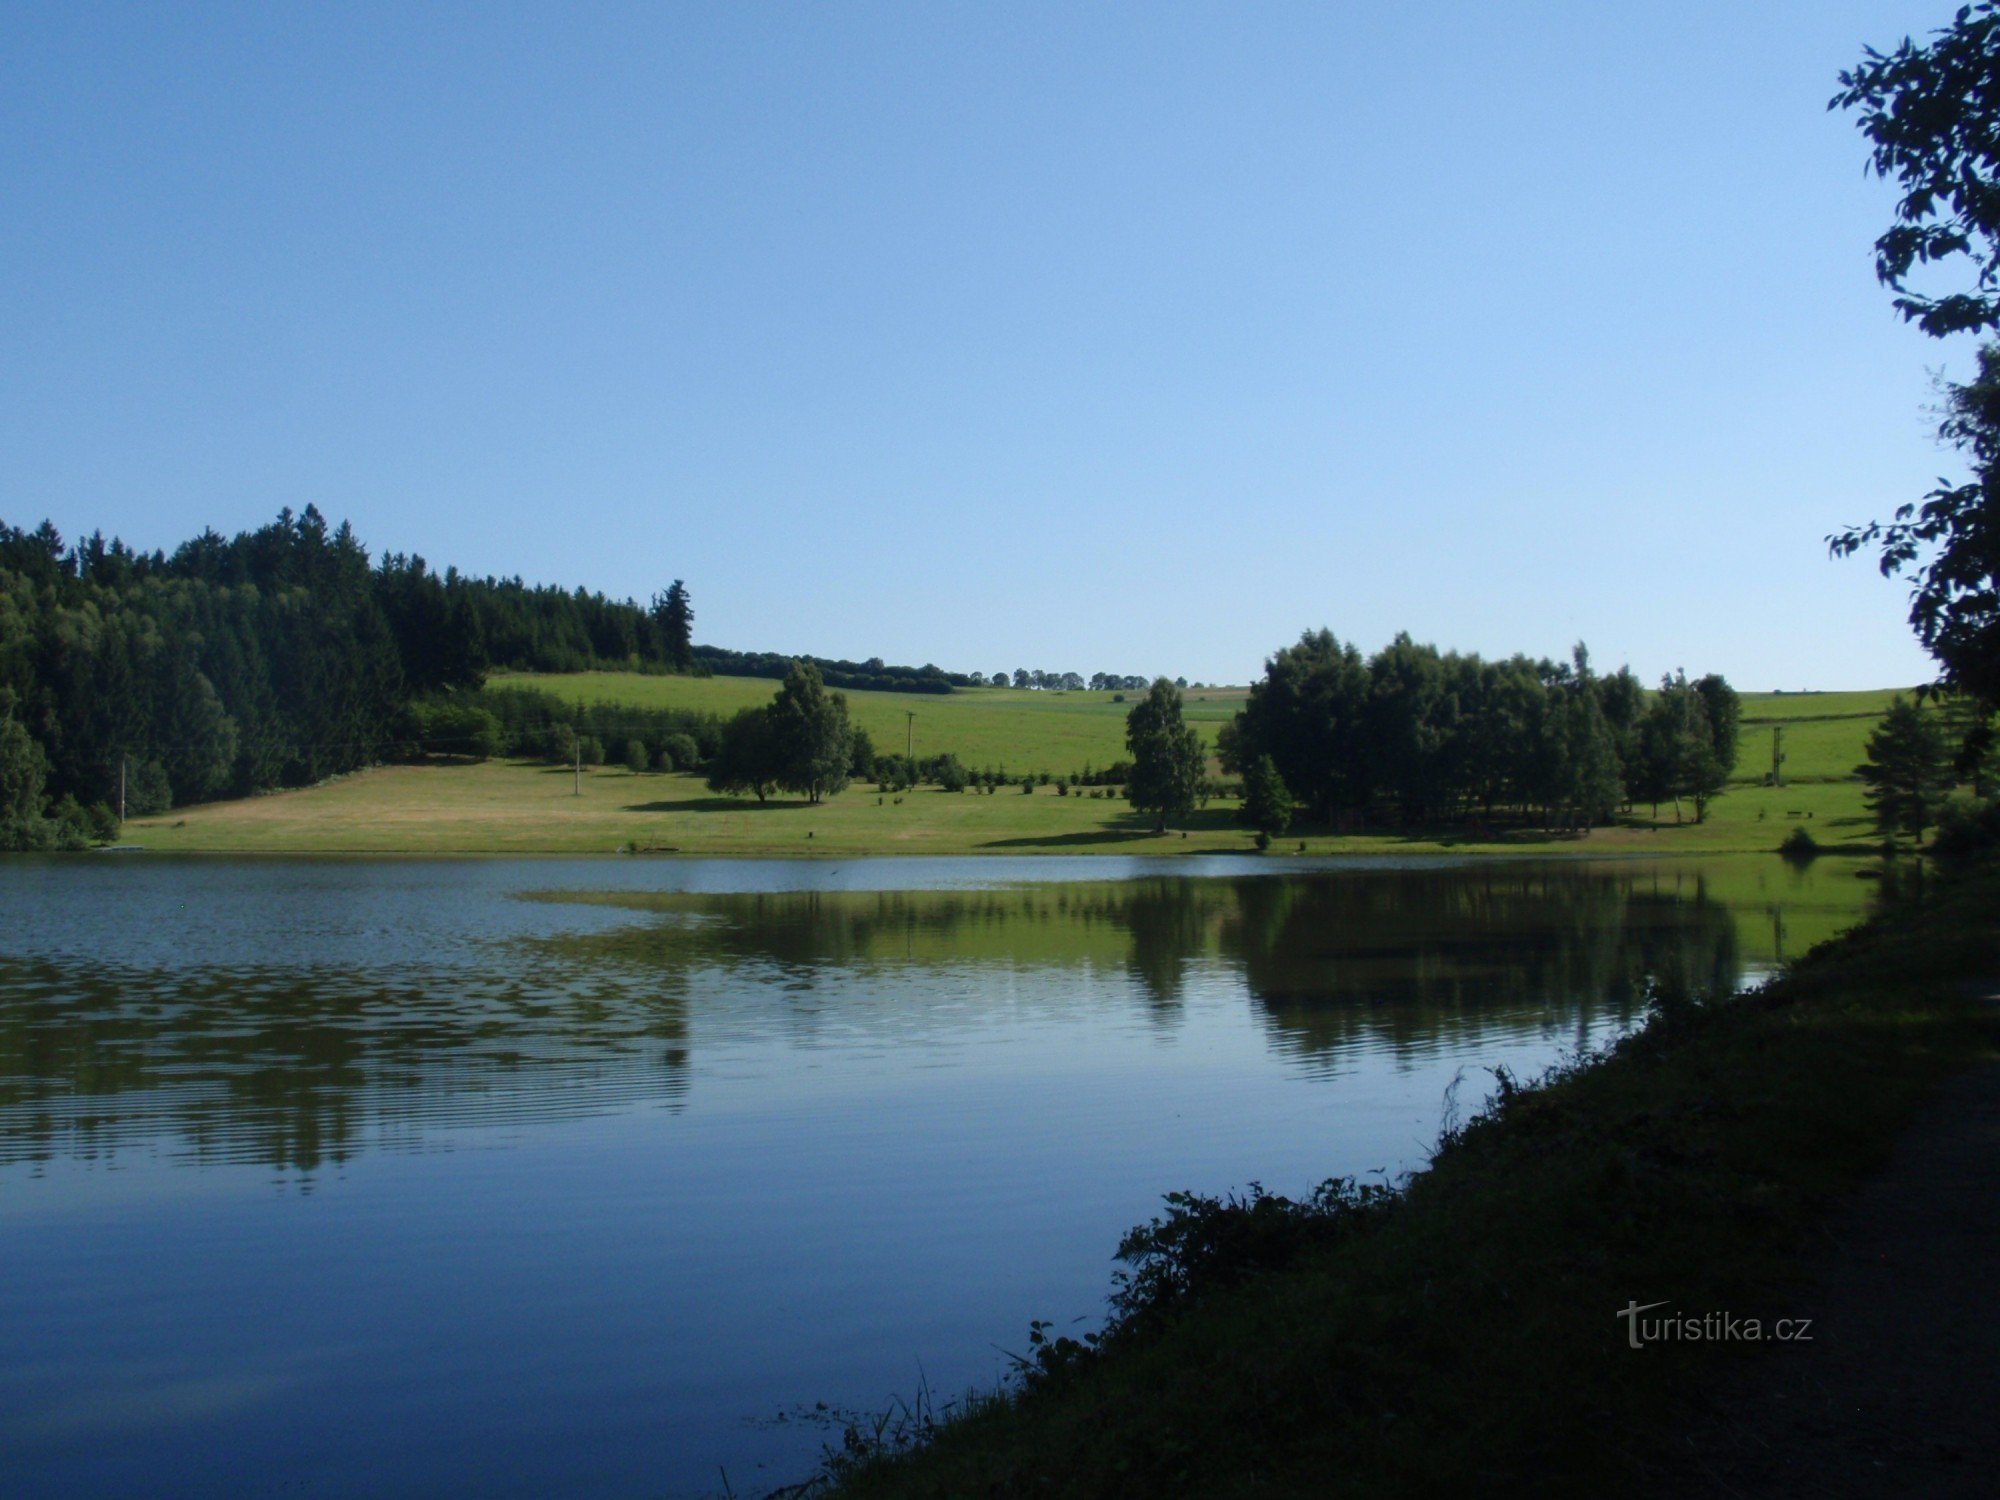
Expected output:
(301, 1065)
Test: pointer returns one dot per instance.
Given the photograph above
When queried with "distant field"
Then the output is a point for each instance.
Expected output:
(1788, 706)
(1825, 734)
(1022, 730)
(513, 808)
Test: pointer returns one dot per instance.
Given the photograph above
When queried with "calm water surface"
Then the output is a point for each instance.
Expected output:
(538, 1178)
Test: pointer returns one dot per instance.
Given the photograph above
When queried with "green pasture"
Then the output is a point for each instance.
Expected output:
(516, 808)
(1825, 735)
(505, 807)
(1022, 730)
(1787, 707)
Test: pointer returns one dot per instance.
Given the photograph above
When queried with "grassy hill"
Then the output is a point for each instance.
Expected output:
(1824, 734)
(507, 808)
(1020, 729)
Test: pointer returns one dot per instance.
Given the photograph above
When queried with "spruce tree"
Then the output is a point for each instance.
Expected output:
(1906, 770)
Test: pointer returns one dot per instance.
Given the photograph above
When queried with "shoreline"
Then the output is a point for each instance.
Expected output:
(1468, 1330)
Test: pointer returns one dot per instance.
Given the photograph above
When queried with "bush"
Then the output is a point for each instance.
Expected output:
(71, 824)
(1205, 1244)
(146, 789)
(456, 729)
(637, 757)
(1968, 830)
(590, 750)
(679, 752)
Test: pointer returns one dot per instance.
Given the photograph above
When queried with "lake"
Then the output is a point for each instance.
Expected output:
(540, 1178)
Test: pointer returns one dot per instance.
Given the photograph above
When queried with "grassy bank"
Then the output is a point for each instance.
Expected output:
(1465, 1336)
(503, 807)
(514, 808)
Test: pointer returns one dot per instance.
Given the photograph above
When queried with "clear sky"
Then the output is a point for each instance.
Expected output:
(1086, 337)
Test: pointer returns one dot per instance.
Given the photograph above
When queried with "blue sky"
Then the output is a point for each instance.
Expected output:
(1086, 337)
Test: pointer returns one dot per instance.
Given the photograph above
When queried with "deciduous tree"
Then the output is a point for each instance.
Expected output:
(815, 743)
(1267, 803)
(1167, 759)
(1932, 113)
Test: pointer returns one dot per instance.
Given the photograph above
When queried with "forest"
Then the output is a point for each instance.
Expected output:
(133, 682)
(1417, 736)
(283, 656)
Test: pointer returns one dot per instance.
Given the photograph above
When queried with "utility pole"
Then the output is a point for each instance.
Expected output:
(576, 741)
(910, 735)
(121, 789)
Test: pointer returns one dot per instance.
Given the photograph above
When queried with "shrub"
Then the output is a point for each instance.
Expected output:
(458, 729)
(637, 757)
(71, 824)
(147, 790)
(680, 752)
(1968, 829)
(1204, 1244)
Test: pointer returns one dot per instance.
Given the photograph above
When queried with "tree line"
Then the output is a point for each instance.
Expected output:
(1415, 736)
(282, 655)
(275, 658)
(1063, 682)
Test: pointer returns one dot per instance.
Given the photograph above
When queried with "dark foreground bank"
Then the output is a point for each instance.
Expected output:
(1555, 1301)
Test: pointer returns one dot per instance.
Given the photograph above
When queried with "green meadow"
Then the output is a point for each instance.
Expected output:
(1020, 729)
(501, 807)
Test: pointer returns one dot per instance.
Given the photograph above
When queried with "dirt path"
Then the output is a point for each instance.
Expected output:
(1898, 1394)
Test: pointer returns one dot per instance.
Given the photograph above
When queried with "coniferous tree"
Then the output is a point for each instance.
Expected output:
(673, 615)
(1907, 770)
(1593, 783)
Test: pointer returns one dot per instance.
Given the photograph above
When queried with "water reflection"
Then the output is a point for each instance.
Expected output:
(371, 1035)
(299, 1068)
(1335, 961)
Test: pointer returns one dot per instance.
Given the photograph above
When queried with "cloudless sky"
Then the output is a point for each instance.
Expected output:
(1085, 337)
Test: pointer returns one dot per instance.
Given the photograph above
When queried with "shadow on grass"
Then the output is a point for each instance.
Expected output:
(716, 805)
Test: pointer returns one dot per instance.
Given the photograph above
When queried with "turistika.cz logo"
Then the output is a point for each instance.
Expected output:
(1709, 1328)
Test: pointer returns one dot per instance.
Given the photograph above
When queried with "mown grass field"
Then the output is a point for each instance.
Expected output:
(1824, 734)
(512, 808)
(1020, 730)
